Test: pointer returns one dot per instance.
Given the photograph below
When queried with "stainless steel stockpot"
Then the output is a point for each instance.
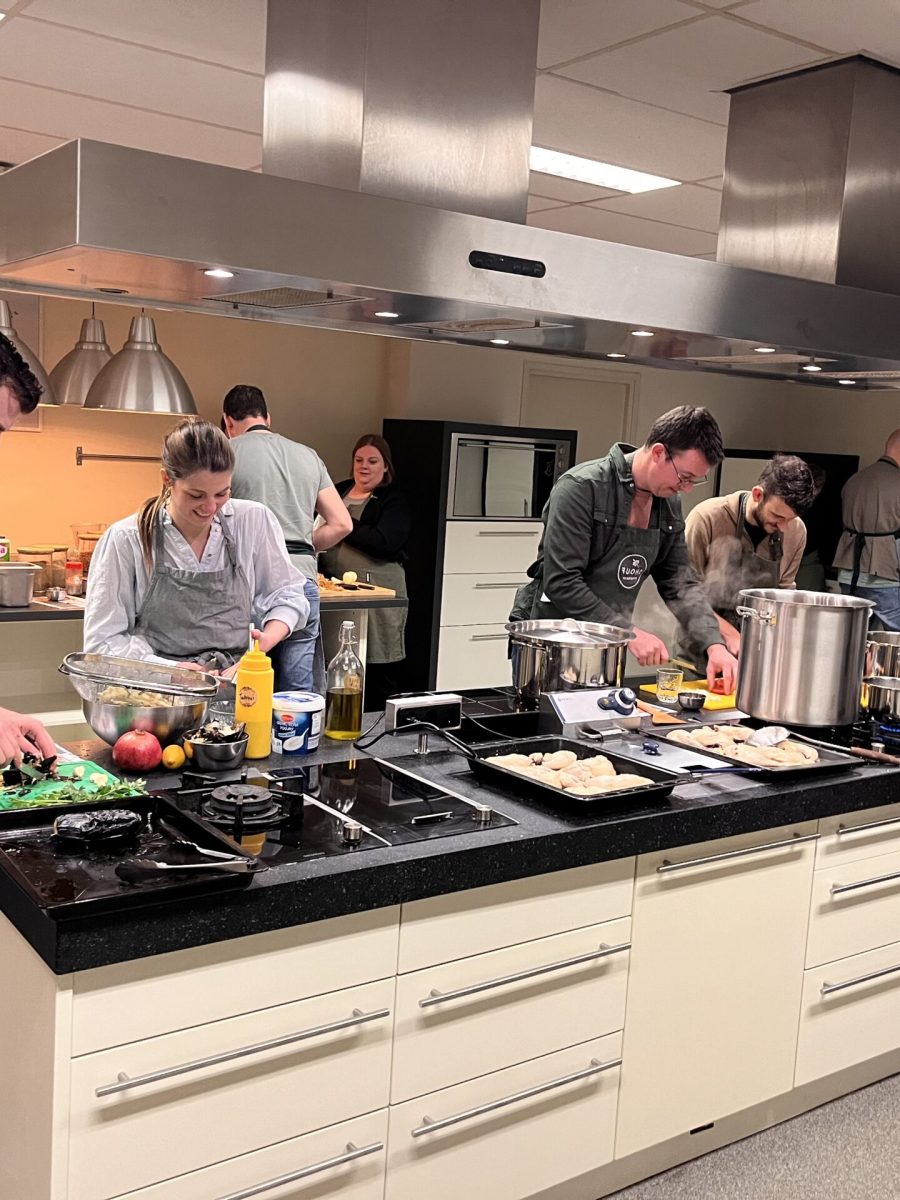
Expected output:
(881, 697)
(555, 655)
(802, 655)
(16, 584)
(882, 654)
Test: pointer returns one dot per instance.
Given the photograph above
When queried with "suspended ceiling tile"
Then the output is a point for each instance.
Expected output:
(687, 69)
(535, 203)
(570, 191)
(690, 206)
(845, 28)
(588, 221)
(62, 116)
(83, 64)
(582, 120)
(229, 32)
(17, 145)
(573, 27)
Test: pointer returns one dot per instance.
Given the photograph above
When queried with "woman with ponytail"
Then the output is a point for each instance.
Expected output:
(181, 580)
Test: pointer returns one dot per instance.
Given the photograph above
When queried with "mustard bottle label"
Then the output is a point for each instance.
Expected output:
(247, 696)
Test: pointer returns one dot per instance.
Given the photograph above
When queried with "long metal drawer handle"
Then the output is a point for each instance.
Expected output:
(508, 532)
(846, 830)
(667, 866)
(488, 637)
(485, 586)
(352, 1153)
(429, 1125)
(837, 889)
(827, 988)
(436, 997)
(124, 1083)
(753, 614)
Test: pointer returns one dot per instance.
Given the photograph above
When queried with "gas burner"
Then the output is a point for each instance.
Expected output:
(253, 807)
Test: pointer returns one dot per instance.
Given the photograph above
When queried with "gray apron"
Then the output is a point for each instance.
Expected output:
(745, 569)
(196, 616)
(617, 577)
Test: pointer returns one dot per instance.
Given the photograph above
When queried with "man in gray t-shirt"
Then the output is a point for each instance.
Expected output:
(292, 481)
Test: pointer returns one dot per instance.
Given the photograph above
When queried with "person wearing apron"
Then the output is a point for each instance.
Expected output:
(612, 522)
(184, 579)
(868, 554)
(752, 539)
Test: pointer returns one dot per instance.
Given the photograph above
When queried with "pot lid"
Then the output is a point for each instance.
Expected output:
(568, 632)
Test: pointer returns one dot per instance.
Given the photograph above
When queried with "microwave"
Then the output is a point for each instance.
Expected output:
(495, 477)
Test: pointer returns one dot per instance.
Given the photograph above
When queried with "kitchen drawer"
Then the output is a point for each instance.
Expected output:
(472, 656)
(318, 1155)
(855, 907)
(479, 599)
(567, 996)
(860, 1020)
(858, 835)
(135, 1000)
(211, 1111)
(473, 547)
(504, 1144)
(472, 922)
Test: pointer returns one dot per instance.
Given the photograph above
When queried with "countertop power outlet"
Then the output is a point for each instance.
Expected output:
(443, 709)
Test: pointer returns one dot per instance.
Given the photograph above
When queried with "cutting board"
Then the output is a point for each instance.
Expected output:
(715, 701)
(66, 771)
(359, 591)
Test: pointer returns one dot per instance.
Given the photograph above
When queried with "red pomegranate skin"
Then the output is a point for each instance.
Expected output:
(137, 751)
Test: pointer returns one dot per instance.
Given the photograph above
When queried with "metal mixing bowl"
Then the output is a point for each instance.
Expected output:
(691, 701)
(207, 756)
(110, 721)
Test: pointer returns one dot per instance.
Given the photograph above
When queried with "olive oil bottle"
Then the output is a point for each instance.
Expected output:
(344, 690)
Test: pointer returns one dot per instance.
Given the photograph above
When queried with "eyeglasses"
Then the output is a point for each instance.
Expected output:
(684, 480)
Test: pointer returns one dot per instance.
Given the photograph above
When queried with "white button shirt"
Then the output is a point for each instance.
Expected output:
(118, 578)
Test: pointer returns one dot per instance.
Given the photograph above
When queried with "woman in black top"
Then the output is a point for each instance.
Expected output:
(375, 549)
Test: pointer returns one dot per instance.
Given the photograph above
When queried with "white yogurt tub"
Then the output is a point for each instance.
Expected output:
(296, 722)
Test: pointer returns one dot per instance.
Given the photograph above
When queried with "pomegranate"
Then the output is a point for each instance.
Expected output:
(137, 751)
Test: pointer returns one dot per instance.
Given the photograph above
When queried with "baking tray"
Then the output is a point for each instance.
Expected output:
(69, 883)
(661, 789)
(829, 760)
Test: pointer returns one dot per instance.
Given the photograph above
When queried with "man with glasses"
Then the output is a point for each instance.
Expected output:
(610, 523)
(19, 393)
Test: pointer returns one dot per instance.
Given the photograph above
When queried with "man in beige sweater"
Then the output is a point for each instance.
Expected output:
(750, 539)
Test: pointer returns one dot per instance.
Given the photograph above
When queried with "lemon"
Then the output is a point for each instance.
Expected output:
(349, 577)
(173, 757)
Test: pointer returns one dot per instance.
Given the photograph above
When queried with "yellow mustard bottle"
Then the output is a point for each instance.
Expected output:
(254, 684)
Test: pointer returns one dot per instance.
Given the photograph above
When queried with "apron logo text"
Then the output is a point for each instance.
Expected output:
(631, 571)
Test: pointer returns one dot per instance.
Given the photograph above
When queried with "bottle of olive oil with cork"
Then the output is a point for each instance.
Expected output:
(344, 690)
(254, 684)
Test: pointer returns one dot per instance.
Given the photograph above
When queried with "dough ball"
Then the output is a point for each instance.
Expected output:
(599, 765)
(510, 761)
(545, 775)
(561, 760)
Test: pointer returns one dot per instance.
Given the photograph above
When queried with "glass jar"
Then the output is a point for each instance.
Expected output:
(58, 566)
(87, 544)
(42, 558)
(74, 574)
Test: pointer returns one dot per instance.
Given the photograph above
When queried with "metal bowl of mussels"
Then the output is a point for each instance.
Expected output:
(216, 746)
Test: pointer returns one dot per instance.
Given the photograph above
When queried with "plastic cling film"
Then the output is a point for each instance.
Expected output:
(296, 722)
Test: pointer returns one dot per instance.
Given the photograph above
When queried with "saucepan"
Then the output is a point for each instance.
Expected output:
(881, 697)
(556, 655)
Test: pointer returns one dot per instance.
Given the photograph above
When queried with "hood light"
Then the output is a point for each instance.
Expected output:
(140, 378)
(386, 315)
(73, 375)
(219, 273)
(48, 396)
(499, 341)
(811, 367)
(763, 349)
(588, 170)
(847, 382)
(616, 354)
(642, 333)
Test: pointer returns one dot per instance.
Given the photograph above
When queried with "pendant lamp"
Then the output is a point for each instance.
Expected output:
(140, 378)
(73, 375)
(31, 359)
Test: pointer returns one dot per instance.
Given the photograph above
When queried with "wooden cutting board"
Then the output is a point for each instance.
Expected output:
(715, 701)
(359, 591)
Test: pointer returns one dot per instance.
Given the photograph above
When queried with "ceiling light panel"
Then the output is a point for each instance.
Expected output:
(588, 170)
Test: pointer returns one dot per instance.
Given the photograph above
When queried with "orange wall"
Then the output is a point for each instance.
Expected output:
(323, 388)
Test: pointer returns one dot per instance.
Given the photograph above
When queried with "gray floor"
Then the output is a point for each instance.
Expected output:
(846, 1150)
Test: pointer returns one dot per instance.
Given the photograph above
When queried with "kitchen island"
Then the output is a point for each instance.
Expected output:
(196, 1050)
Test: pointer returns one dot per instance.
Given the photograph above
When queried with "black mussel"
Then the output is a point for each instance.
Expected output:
(99, 828)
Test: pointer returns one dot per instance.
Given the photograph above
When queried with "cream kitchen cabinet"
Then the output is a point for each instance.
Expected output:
(473, 656)
(479, 547)
(718, 945)
(857, 835)
(855, 907)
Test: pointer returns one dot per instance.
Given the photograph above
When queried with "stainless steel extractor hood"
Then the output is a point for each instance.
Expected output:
(98, 221)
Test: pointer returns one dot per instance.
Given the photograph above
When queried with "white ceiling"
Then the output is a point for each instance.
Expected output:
(638, 83)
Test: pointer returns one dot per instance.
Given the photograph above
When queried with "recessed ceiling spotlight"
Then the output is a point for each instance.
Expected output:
(763, 349)
(588, 170)
(387, 315)
(642, 333)
(219, 273)
(499, 341)
(847, 382)
(616, 354)
(811, 367)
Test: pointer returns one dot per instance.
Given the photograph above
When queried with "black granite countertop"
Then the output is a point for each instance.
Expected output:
(545, 839)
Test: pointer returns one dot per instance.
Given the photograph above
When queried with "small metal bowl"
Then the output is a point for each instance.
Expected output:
(210, 756)
(691, 701)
